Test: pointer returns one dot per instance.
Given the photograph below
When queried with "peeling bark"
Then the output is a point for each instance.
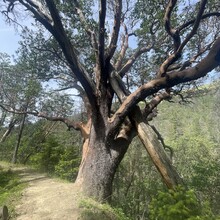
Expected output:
(98, 168)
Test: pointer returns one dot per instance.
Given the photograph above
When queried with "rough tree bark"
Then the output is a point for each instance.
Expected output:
(100, 160)
(97, 170)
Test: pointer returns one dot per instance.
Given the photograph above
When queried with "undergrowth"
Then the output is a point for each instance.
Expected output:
(92, 210)
(10, 189)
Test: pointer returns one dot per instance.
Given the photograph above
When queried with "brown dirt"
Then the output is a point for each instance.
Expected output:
(46, 198)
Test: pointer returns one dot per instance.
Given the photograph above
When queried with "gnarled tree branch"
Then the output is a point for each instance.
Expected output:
(167, 23)
(69, 123)
(192, 21)
(211, 61)
(178, 51)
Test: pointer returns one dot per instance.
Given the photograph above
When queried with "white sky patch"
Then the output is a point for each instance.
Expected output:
(8, 37)
(9, 34)
(6, 29)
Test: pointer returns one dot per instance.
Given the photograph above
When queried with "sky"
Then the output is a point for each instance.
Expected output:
(8, 37)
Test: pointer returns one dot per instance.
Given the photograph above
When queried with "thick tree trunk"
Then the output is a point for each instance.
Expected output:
(98, 167)
(96, 172)
(100, 160)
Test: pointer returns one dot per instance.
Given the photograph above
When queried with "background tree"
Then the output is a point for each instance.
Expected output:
(172, 36)
(20, 90)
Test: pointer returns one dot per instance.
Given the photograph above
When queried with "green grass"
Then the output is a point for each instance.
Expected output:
(10, 188)
(92, 210)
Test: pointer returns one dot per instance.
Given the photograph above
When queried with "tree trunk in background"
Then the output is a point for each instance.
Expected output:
(8, 131)
(2, 119)
(14, 158)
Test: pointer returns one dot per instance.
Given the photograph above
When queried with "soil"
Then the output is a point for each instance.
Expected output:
(46, 198)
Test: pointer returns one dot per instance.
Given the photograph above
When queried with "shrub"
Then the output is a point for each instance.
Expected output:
(68, 165)
(179, 204)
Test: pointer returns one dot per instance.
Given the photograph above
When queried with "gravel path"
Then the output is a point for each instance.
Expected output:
(46, 198)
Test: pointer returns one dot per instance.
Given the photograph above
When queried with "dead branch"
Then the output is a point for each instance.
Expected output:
(124, 48)
(115, 30)
(160, 138)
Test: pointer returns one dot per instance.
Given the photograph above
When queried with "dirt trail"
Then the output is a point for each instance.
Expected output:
(46, 198)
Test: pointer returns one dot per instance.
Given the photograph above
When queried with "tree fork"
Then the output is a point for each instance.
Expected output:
(151, 144)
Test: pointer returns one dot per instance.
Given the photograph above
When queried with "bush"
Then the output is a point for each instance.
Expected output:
(179, 204)
(54, 158)
(68, 165)
(48, 157)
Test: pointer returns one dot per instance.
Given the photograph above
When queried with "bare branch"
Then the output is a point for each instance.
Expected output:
(124, 48)
(69, 52)
(171, 31)
(101, 46)
(177, 54)
(160, 138)
(195, 26)
(188, 23)
(115, 30)
(56, 28)
(155, 101)
(118, 86)
(39, 10)
(133, 58)
(69, 123)
(89, 31)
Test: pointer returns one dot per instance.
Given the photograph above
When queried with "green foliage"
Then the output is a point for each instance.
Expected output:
(7, 147)
(178, 204)
(205, 180)
(10, 188)
(56, 154)
(68, 165)
(48, 147)
(136, 182)
(47, 159)
(92, 210)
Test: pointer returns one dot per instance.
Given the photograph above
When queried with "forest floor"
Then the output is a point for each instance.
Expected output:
(45, 198)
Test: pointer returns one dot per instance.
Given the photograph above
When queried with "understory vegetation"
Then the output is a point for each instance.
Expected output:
(138, 188)
(10, 188)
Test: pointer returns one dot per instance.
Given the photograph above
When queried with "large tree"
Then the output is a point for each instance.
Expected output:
(116, 54)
